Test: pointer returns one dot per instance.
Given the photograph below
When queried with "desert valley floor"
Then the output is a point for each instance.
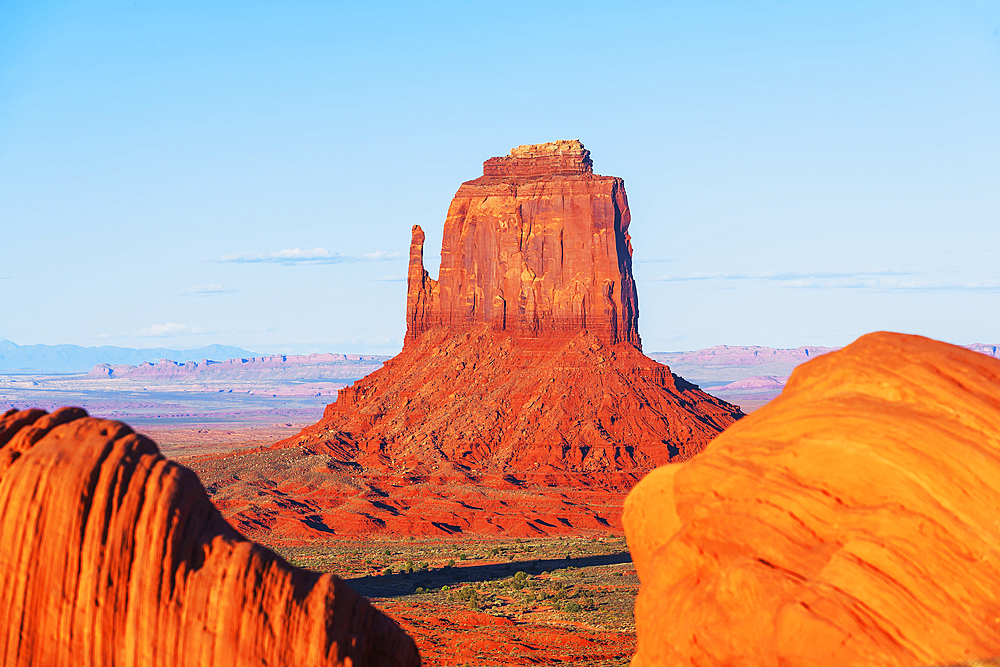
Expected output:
(465, 600)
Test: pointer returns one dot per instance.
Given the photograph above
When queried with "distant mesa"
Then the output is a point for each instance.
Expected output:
(524, 354)
(113, 555)
(754, 383)
(271, 368)
(77, 359)
(851, 521)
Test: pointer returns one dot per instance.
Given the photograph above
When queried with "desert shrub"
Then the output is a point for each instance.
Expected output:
(388, 552)
(572, 607)
(420, 589)
(445, 588)
(423, 566)
(387, 570)
(451, 562)
(463, 556)
(521, 577)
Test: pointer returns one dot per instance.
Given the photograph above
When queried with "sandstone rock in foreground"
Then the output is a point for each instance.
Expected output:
(112, 555)
(852, 521)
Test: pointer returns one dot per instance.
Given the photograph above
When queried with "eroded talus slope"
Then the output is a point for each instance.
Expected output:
(852, 521)
(112, 555)
(494, 401)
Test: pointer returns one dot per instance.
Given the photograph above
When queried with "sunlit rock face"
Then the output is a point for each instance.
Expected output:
(536, 246)
(524, 355)
(112, 555)
(851, 521)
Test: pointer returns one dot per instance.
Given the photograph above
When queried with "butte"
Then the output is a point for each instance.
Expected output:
(522, 368)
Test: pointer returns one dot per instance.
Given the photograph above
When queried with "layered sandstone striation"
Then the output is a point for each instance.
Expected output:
(113, 555)
(852, 521)
(537, 246)
(524, 355)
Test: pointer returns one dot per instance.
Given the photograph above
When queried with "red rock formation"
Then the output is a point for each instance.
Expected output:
(112, 555)
(524, 355)
(537, 246)
(852, 521)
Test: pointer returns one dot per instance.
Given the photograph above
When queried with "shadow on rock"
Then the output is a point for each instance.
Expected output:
(397, 585)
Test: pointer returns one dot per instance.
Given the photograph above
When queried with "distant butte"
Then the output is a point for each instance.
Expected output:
(524, 355)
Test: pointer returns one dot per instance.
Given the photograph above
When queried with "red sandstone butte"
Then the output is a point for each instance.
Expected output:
(536, 246)
(851, 521)
(112, 555)
(524, 355)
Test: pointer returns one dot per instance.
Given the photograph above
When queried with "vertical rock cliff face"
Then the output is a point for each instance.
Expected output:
(851, 521)
(524, 355)
(537, 246)
(112, 555)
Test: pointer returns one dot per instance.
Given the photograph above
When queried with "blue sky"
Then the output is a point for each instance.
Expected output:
(173, 175)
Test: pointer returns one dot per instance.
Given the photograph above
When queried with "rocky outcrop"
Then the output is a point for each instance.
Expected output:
(537, 246)
(851, 521)
(524, 355)
(498, 402)
(113, 555)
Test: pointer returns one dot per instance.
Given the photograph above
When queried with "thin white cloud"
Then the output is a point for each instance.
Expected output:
(947, 286)
(380, 256)
(103, 335)
(167, 330)
(209, 290)
(392, 279)
(291, 256)
(885, 281)
(782, 277)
